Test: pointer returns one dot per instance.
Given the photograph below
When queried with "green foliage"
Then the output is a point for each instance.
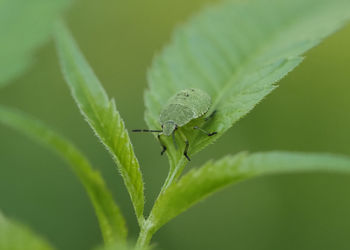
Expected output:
(111, 221)
(197, 184)
(14, 236)
(24, 25)
(236, 52)
(101, 114)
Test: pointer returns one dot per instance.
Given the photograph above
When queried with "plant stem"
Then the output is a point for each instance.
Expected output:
(145, 235)
(147, 227)
(173, 174)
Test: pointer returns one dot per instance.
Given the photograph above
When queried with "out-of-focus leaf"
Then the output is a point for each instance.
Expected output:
(101, 114)
(14, 236)
(111, 220)
(24, 26)
(215, 175)
(236, 52)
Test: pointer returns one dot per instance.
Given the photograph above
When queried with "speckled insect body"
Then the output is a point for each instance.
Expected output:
(183, 107)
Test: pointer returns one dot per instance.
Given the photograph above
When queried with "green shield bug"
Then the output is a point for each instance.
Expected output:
(183, 107)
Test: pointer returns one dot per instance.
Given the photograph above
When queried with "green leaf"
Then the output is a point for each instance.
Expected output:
(24, 26)
(101, 114)
(197, 184)
(236, 51)
(14, 236)
(111, 221)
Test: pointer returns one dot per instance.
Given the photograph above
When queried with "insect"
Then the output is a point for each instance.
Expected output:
(183, 107)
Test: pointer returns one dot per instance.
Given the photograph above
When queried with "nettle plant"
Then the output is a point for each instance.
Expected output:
(231, 55)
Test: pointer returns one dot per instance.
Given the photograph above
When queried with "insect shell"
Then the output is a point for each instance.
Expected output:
(186, 105)
(183, 107)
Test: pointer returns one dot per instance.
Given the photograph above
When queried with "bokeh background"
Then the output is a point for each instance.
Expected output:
(308, 112)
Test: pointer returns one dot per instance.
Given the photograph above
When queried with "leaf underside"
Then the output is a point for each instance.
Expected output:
(24, 26)
(236, 52)
(111, 220)
(101, 114)
(199, 183)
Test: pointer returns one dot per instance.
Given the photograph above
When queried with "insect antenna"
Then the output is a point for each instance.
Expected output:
(153, 131)
(147, 130)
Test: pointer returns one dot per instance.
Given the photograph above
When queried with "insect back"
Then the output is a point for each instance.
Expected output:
(184, 106)
(181, 110)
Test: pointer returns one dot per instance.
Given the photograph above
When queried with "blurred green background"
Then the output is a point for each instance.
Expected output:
(308, 112)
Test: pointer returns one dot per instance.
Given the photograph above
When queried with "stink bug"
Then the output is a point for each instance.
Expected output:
(183, 107)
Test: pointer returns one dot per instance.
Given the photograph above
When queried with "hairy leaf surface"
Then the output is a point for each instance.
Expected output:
(111, 220)
(237, 51)
(197, 184)
(24, 26)
(101, 113)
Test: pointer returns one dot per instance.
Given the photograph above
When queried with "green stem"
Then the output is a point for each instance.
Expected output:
(145, 236)
(147, 227)
(174, 174)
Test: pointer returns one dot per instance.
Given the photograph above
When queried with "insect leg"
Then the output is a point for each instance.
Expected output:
(205, 132)
(210, 116)
(186, 145)
(162, 144)
(186, 150)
